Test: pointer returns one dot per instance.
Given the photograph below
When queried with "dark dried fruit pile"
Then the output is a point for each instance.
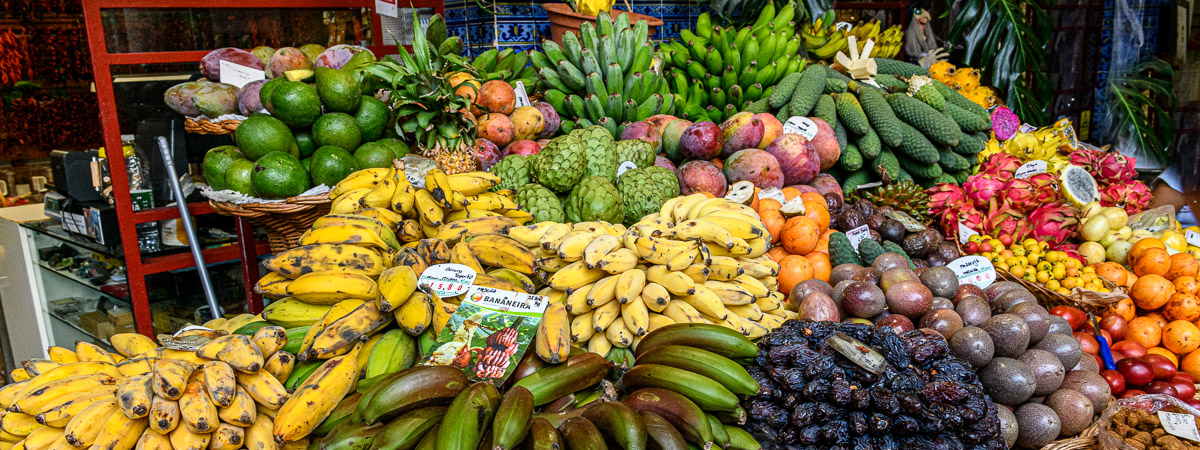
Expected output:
(812, 397)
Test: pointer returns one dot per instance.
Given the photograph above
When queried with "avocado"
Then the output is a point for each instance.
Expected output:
(399, 148)
(331, 164)
(296, 104)
(374, 155)
(371, 116)
(238, 177)
(338, 129)
(217, 161)
(279, 175)
(358, 59)
(305, 143)
(260, 134)
(264, 93)
(338, 90)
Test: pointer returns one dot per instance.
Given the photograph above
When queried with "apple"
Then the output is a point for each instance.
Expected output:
(1074, 316)
(1116, 381)
(1163, 368)
(1136, 371)
(1115, 325)
(1129, 349)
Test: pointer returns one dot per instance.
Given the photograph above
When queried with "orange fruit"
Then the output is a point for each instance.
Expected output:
(1141, 245)
(768, 213)
(1182, 306)
(809, 197)
(1151, 291)
(800, 235)
(1191, 364)
(1181, 337)
(819, 261)
(1145, 331)
(818, 212)
(792, 270)
(1182, 265)
(1186, 285)
(1154, 261)
(1164, 353)
(1113, 272)
(777, 253)
(1125, 308)
(1159, 318)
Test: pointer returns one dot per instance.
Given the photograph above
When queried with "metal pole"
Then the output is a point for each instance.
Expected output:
(186, 217)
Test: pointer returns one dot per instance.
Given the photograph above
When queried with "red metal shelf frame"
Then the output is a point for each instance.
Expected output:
(246, 249)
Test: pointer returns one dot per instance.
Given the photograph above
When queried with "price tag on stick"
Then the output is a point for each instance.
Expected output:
(447, 280)
(975, 270)
(858, 235)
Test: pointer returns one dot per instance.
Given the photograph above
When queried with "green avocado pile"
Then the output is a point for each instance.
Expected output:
(577, 178)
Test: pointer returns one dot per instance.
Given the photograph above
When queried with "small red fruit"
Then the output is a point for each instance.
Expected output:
(1074, 316)
(971, 248)
(1184, 386)
(1163, 368)
(1129, 349)
(1129, 393)
(1136, 371)
(1087, 342)
(1162, 387)
(1005, 239)
(1115, 325)
(1116, 381)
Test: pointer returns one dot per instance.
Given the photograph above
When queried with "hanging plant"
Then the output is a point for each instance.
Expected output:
(997, 38)
(1135, 111)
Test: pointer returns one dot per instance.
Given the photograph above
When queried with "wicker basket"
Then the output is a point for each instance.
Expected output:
(205, 126)
(284, 221)
(1085, 440)
(1088, 301)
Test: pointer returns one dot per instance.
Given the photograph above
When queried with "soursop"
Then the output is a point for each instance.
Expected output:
(595, 198)
(560, 165)
(599, 153)
(640, 152)
(540, 202)
(513, 171)
(644, 191)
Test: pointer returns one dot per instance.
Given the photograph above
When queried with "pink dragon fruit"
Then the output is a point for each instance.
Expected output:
(1001, 165)
(970, 217)
(1053, 223)
(945, 196)
(1132, 196)
(1021, 193)
(1046, 186)
(1002, 219)
(1114, 167)
(982, 187)
(1005, 124)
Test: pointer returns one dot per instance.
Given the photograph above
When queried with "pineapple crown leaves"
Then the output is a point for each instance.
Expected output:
(422, 99)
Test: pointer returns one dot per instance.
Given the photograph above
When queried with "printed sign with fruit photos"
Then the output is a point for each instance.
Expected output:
(489, 333)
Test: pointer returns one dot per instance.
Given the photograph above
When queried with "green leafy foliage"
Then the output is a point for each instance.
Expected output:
(1135, 107)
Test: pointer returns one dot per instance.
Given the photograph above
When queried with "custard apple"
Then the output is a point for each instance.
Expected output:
(639, 152)
(560, 165)
(513, 171)
(540, 202)
(599, 153)
(642, 194)
(664, 178)
(595, 198)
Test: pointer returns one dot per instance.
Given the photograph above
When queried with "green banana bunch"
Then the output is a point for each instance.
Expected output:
(395, 351)
(735, 66)
(506, 65)
(603, 76)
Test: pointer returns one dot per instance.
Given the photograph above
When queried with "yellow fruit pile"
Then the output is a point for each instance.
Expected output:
(1029, 260)
(965, 80)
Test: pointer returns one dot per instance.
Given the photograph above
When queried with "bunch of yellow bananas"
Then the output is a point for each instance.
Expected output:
(227, 394)
(888, 44)
(699, 260)
(822, 39)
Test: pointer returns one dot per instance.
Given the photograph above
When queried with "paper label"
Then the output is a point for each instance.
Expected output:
(447, 280)
(845, 26)
(976, 270)
(522, 97)
(387, 8)
(965, 233)
(488, 333)
(1031, 168)
(1027, 128)
(187, 343)
(869, 185)
(239, 75)
(858, 235)
(1192, 237)
(1182, 425)
(802, 126)
(627, 165)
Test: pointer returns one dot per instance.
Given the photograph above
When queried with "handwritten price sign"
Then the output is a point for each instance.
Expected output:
(975, 270)
(448, 280)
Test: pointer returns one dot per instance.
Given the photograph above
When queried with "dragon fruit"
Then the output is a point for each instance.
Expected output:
(1002, 219)
(945, 196)
(1021, 193)
(1000, 165)
(1053, 223)
(1114, 167)
(1046, 186)
(969, 216)
(1005, 124)
(982, 187)
(1085, 158)
(1132, 196)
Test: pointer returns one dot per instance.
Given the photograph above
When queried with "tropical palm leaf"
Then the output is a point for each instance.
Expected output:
(998, 39)
(1135, 108)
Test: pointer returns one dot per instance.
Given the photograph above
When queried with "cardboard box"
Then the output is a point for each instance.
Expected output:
(90, 321)
(105, 330)
(120, 317)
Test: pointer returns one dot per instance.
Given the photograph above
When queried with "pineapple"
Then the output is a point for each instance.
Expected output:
(902, 195)
(428, 100)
